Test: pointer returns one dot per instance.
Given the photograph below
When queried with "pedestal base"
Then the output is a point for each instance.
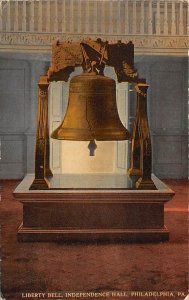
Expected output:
(92, 235)
(93, 215)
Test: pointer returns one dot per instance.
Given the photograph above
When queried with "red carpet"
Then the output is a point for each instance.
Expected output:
(43, 267)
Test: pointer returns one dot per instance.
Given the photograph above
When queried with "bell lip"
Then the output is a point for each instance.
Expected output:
(119, 138)
(65, 134)
(107, 137)
(112, 134)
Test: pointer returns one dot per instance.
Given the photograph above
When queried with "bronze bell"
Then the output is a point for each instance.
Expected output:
(92, 111)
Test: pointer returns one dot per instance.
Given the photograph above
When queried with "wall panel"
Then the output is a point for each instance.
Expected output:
(168, 116)
(167, 96)
(18, 102)
(12, 104)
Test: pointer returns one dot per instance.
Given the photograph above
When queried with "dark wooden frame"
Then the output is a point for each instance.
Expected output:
(121, 57)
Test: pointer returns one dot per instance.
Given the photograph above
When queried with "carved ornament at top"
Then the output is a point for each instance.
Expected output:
(67, 55)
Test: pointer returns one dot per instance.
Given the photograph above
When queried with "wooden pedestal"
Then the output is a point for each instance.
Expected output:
(93, 214)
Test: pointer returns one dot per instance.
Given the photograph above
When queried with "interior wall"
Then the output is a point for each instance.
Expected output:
(167, 108)
(19, 74)
(168, 112)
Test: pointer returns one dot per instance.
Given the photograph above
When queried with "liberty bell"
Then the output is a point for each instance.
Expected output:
(92, 111)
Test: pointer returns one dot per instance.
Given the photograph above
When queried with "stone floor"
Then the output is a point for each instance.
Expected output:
(48, 267)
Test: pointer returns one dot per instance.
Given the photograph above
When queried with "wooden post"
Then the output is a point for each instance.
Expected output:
(42, 169)
(135, 146)
(8, 22)
(118, 18)
(48, 172)
(56, 16)
(1, 15)
(87, 18)
(72, 17)
(110, 18)
(142, 18)
(173, 20)
(150, 31)
(103, 18)
(158, 31)
(24, 16)
(48, 19)
(145, 181)
(32, 16)
(134, 29)
(165, 27)
(181, 28)
(16, 16)
(40, 16)
(126, 17)
(63, 16)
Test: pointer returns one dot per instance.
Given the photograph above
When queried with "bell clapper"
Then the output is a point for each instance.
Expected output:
(92, 147)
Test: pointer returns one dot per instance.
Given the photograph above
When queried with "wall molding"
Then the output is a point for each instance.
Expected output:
(144, 44)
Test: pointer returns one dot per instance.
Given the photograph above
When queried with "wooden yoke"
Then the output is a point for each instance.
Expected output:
(141, 152)
(42, 168)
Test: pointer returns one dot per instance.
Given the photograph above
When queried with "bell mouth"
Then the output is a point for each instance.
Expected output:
(74, 134)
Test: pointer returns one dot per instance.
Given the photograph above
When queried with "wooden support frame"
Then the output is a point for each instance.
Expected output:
(42, 152)
(141, 152)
